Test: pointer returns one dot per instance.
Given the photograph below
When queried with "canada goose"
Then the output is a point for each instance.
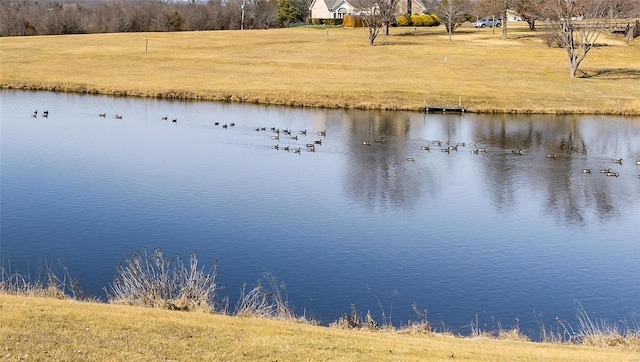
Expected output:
(34, 114)
(118, 116)
(606, 170)
(453, 148)
(225, 126)
(618, 161)
(296, 150)
(366, 143)
(287, 132)
(263, 128)
(380, 140)
(285, 148)
(164, 118)
(295, 138)
(303, 132)
(474, 152)
(323, 133)
(275, 147)
(318, 142)
(614, 174)
(411, 159)
(460, 144)
(551, 155)
(586, 170)
(103, 115)
(45, 114)
(425, 148)
(311, 149)
(446, 142)
(516, 152)
(277, 137)
(637, 162)
(446, 150)
(483, 149)
(436, 143)
(232, 124)
(310, 145)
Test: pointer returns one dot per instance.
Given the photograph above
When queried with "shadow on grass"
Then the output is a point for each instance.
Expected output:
(612, 73)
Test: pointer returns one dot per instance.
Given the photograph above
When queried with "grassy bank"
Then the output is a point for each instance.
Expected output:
(34, 328)
(334, 68)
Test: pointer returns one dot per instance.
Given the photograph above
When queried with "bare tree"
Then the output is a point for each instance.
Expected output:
(527, 10)
(577, 24)
(369, 12)
(452, 12)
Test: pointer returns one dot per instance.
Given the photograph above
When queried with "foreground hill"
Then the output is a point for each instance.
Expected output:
(34, 328)
(322, 67)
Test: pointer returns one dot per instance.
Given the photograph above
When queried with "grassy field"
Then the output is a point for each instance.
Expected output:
(334, 67)
(34, 328)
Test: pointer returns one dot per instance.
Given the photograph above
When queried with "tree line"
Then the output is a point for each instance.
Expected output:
(47, 17)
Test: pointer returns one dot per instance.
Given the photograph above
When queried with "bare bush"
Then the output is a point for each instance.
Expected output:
(151, 280)
(265, 301)
(47, 284)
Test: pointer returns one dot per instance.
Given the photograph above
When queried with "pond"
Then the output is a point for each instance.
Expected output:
(517, 235)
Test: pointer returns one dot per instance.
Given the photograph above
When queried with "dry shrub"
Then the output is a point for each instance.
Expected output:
(51, 284)
(354, 321)
(265, 301)
(151, 280)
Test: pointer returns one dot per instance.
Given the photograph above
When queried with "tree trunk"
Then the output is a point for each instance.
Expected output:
(504, 26)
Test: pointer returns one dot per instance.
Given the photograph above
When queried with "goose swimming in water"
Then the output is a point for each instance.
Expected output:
(586, 170)
(618, 161)
(425, 148)
(516, 152)
(551, 155)
(606, 170)
(366, 143)
(614, 174)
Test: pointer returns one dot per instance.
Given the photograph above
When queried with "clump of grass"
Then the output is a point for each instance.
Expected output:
(268, 299)
(49, 284)
(355, 321)
(421, 325)
(152, 280)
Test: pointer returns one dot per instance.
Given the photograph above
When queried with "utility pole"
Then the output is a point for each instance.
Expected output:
(242, 19)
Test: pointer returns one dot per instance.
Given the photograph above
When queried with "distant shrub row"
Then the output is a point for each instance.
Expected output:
(418, 20)
(328, 21)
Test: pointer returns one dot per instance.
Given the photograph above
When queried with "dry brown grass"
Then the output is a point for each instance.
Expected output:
(48, 329)
(333, 68)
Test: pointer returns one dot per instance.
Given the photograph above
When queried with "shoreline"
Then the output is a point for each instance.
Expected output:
(292, 102)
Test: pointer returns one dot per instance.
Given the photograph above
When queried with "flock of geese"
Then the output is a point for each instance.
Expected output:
(278, 134)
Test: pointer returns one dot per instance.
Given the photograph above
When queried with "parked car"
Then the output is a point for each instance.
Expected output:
(487, 22)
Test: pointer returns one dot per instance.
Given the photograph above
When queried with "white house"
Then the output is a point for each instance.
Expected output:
(337, 9)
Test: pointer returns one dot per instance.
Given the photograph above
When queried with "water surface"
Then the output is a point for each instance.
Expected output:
(497, 235)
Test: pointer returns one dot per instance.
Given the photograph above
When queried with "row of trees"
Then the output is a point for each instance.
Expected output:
(48, 17)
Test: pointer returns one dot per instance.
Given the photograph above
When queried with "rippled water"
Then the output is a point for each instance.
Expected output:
(502, 236)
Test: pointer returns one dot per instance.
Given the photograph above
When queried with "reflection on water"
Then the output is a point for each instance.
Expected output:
(379, 215)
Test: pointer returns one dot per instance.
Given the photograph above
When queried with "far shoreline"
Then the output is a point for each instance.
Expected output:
(296, 103)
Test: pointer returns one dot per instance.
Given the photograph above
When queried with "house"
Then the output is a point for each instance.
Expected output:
(337, 9)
